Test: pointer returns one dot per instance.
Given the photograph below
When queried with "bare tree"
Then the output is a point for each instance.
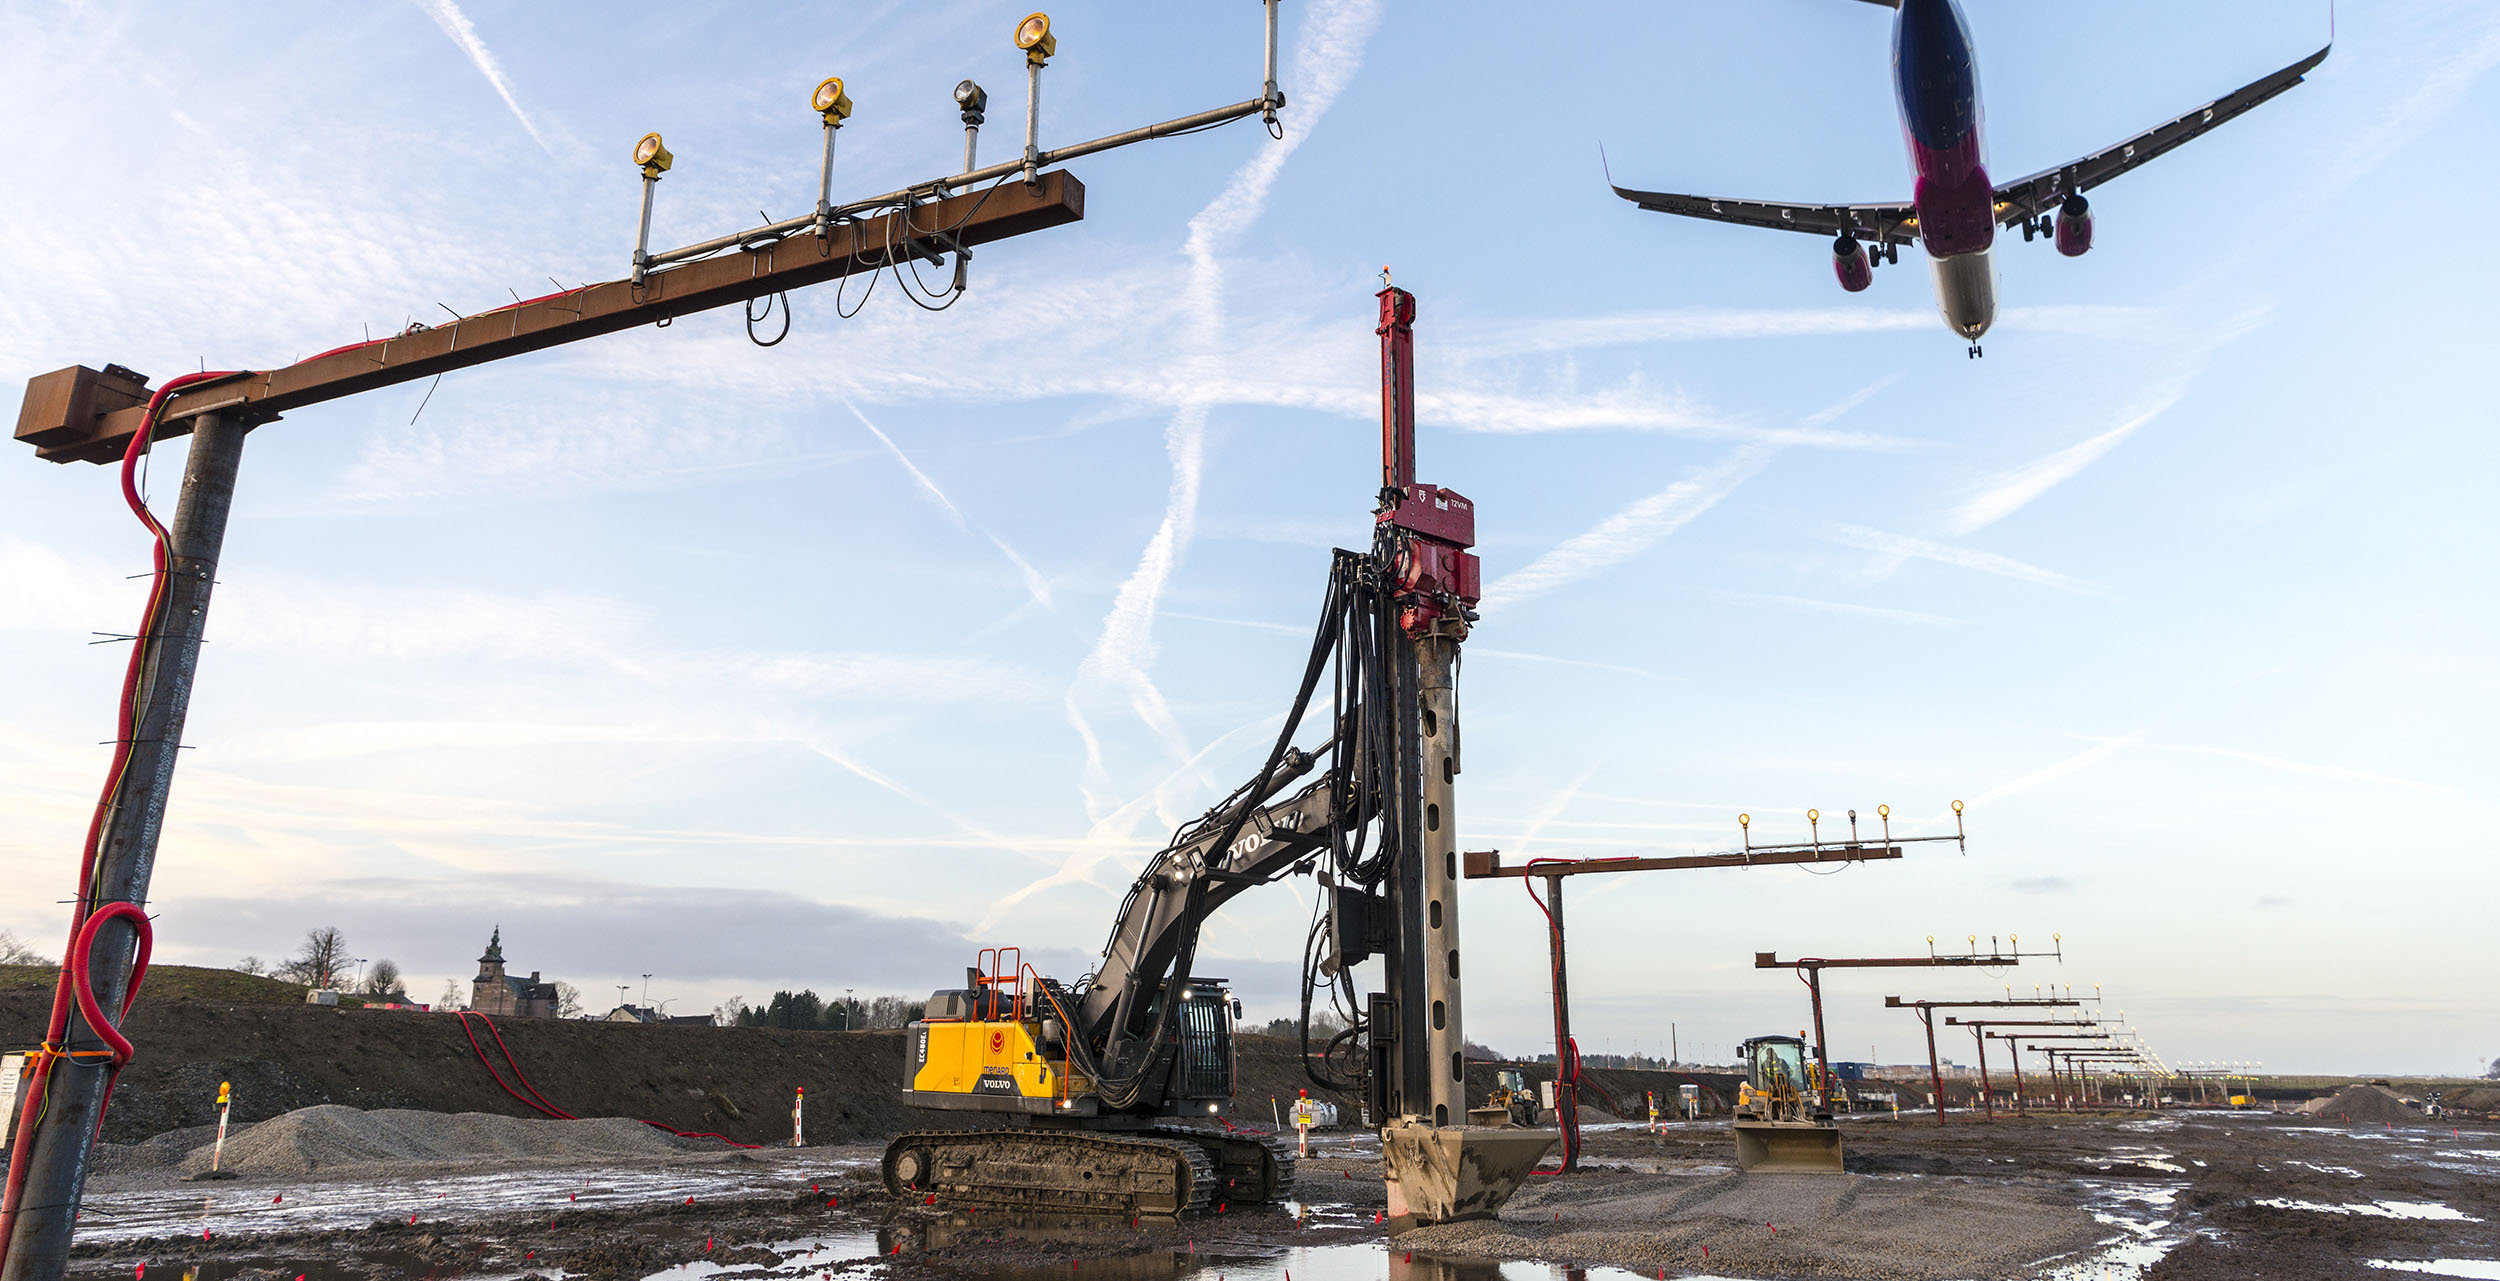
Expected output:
(890, 1011)
(13, 952)
(568, 1000)
(250, 965)
(450, 999)
(382, 979)
(318, 962)
(726, 1013)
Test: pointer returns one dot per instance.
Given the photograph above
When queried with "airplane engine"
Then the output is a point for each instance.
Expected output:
(1849, 262)
(2074, 226)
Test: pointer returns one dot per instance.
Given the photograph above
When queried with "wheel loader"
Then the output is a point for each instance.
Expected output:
(1780, 1129)
(1512, 1094)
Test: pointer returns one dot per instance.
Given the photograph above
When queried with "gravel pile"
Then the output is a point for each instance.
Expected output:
(331, 1137)
(2363, 1104)
(1782, 1225)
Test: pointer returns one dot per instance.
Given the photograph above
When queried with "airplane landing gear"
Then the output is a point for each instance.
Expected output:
(1974, 351)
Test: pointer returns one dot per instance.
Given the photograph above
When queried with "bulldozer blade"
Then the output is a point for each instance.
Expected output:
(1774, 1147)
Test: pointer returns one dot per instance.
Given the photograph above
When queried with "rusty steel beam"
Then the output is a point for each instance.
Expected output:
(1772, 961)
(80, 415)
(1482, 864)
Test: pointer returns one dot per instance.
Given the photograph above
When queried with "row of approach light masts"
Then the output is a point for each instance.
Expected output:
(2124, 1038)
(832, 102)
(1883, 815)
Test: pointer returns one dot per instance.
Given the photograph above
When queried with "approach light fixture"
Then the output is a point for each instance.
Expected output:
(1957, 807)
(654, 157)
(1814, 816)
(1034, 37)
(974, 99)
(1883, 811)
(831, 101)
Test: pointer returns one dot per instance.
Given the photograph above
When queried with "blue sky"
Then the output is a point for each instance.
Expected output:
(826, 664)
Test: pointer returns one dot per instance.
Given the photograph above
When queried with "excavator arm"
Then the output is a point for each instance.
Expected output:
(1180, 888)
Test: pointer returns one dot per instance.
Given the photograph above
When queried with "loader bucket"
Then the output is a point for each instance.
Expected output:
(1787, 1147)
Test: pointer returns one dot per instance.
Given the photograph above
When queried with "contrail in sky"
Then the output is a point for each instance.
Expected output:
(447, 15)
(1327, 54)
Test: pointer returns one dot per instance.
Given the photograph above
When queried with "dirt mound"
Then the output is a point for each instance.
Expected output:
(2363, 1104)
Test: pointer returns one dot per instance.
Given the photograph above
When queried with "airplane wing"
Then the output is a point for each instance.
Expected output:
(1885, 224)
(2041, 192)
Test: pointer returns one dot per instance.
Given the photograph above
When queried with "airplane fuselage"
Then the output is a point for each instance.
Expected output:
(1936, 79)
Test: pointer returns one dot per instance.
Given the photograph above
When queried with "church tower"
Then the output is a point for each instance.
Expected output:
(492, 992)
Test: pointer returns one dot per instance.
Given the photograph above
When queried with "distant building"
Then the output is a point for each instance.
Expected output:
(642, 1014)
(495, 992)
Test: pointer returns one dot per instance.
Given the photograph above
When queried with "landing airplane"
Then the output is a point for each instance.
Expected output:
(1955, 212)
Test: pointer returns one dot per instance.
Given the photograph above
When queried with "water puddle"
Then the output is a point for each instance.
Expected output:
(2473, 1269)
(230, 1209)
(2376, 1209)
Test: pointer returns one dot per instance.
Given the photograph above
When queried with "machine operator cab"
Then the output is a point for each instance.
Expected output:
(1779, 1084)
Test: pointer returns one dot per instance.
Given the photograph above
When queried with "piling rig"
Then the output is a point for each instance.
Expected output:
(1098, 1079)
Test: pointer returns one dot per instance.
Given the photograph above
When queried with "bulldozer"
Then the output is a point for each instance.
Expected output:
(1780, 1129)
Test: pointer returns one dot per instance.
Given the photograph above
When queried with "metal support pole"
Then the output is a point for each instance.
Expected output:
(1822, 1057)
(58, 1165)
(2014, 1051)
(1032, 123)
(642, 236)
(1436, 661)
(824, 184)
(1267, 93)
(1987, 1105)
(1566, 1093)
(1935, 1074)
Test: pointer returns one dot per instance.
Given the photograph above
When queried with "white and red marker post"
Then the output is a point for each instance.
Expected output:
(225, 1104)
(798, 1119)
(1302, 1122)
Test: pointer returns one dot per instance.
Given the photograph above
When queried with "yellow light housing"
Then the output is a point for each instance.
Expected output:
(653, 156)
(1883, 811)
(1957, 807)
(1744, 820)
(1034, 37)
(1814, 816)
(830, 101)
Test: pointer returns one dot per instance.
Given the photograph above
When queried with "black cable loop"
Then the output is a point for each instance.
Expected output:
(754, 317)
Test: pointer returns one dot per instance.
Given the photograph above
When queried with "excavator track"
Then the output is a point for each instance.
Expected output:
(1251, 1168)
(1079, 1171)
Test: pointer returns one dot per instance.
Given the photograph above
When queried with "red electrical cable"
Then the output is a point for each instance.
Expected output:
(75, 987)
(1567, 1066)
(537, 1101)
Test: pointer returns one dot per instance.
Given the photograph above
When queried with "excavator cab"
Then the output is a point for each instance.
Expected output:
(1779, 1129)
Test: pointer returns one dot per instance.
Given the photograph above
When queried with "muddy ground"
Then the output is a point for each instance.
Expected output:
(2175, 1197)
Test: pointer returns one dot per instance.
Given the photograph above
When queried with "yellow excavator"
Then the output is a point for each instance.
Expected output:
(1779, 1130)
(1103, 1088)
